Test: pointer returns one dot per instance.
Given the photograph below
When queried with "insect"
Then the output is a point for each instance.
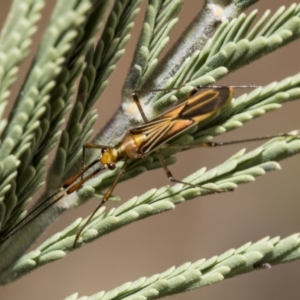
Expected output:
(139, 142)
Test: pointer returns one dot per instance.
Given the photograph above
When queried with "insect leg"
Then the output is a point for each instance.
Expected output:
(218, 144)
(104, 199)
(172, 179)
(136, 99)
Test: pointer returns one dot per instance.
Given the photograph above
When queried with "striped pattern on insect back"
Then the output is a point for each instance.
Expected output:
(180, 118)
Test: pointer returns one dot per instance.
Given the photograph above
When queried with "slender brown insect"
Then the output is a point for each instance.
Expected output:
(139, 142)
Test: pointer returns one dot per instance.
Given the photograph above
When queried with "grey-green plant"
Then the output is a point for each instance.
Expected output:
(72, 62)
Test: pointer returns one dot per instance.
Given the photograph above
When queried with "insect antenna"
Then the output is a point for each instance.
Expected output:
(67, 188)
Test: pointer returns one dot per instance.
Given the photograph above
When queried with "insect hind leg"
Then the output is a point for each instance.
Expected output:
(212, 144)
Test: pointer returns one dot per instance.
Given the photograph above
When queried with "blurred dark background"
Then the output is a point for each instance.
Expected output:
(197, 229)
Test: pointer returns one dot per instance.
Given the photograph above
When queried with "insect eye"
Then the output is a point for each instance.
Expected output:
(111, 166)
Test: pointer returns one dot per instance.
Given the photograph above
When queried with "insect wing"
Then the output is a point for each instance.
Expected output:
(178, 119)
